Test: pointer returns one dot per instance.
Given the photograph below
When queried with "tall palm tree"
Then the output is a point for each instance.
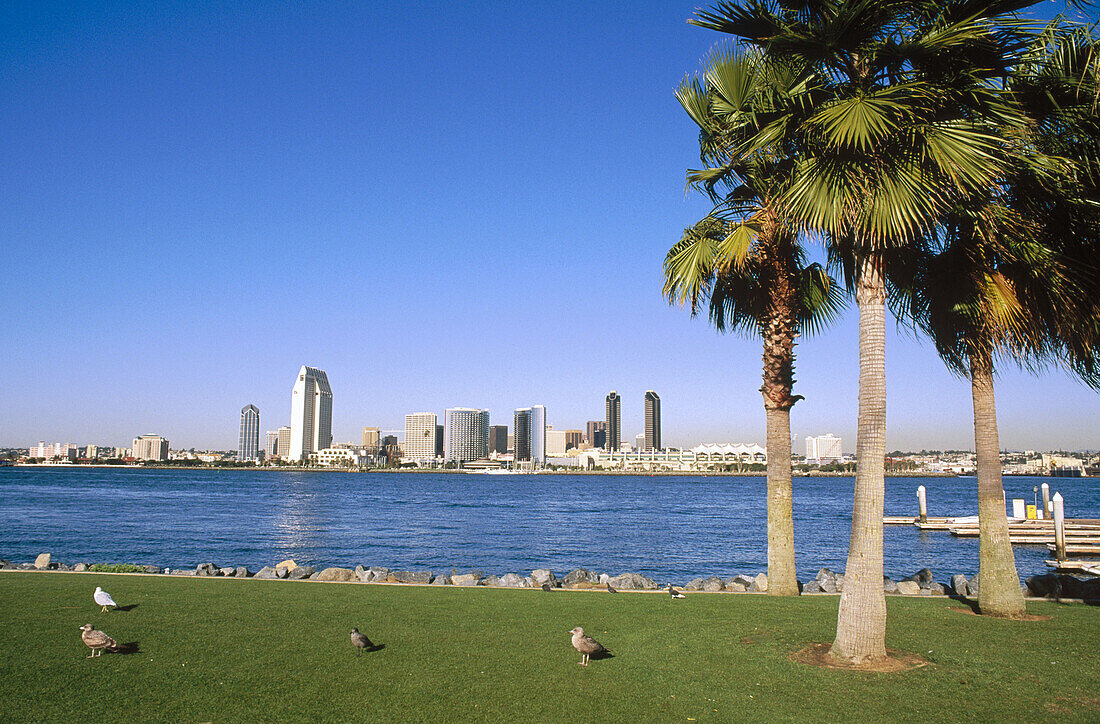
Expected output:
(895, 119)
(745, 264)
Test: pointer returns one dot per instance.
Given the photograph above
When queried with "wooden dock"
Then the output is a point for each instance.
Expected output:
(1091, 567)
(1082, 534)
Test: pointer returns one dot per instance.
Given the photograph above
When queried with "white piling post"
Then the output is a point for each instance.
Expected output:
(922, 503)
(1059, 528)
(1047, 510)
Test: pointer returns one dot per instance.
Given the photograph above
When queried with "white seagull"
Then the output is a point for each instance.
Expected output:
(103, 598)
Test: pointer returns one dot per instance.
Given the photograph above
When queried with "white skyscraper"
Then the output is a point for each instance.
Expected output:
(823, 447)
(465, 434)
(419, 436)
(538, 434)
(310, 413)
(149, 447)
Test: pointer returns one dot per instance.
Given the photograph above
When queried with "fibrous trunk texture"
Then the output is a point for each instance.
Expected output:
(999, 592)
(861, 620)
(779, 329)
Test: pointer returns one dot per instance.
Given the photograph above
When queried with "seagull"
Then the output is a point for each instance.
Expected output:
(674, 592)
(96, 640)
(103, 599)
(611, 589)
(360, 641)
(586, 645)
(546, 587)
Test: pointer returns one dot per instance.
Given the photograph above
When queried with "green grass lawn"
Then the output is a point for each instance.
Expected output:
(225, 650)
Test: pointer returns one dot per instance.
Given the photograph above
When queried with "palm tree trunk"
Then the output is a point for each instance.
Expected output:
(861, 620)
(782, 579)
(999, 592)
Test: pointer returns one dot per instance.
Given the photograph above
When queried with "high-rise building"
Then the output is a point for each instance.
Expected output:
(521, 425)
(149, 447)
(465, 434)
(283, 450)
(597, 434)
(613, 406)
(573, 439)
(538, 433)
(372, 439)
(652, 421)
(248, 441)
(498, 439)
(555, 443)
(91, 452)
(420, 436)
(639, 442)
(310, 413)
(438, 440)
(823, 447)
(271, 443)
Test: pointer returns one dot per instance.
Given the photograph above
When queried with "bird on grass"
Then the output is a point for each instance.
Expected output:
(97, 641)
(546, 587)
(360, 641)
(103, 599)
(586, 645)
(674, 593)
(611, 589)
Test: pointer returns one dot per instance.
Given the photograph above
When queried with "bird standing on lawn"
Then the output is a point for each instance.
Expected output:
(96, 640)
(103, 599)
(586, 645)
(673, 592)
(546, 587)
(360, 641)
(611, 589)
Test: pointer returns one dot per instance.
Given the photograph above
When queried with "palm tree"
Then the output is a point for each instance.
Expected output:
(746, 265)
(894, 119)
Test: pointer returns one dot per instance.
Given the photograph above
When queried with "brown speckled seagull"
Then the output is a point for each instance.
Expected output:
(96, 640)
(586, 645)
(360, 641)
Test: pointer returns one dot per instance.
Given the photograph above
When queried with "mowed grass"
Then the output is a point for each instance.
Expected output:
(224, 650)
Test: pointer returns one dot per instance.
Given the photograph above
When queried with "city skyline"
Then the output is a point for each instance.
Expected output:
(218, 145)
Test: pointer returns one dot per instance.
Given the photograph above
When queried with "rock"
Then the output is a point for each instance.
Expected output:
(443, 580)
(840, 582)
(80, 567)
(281, 573)
(936, 589)
(243, 572)
(267, 572)
(227, 571)
(313, 576)
(514, 580)
(542, 575)
(63, 567)
(908, 588)
(828, 585)
(889, 585)
(489, 581)
(695, 584)
(1048, 584)
(972, 586)
(183, 572)
(744, 580)
(813, 586)
(337, 574)
(579, 575)
(958, 584)
(760, 583)
(922, 578)
(714, 583)
(288, 564)
(823, 574)
(377, 573)
(465, 579)
(604, 578)
(207, 569)
(633, 582)
(412, 576)
(734, 586)
(297, 574)
(152, 569)
(42, 562)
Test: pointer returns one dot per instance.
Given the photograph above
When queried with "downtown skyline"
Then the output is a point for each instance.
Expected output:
(180, 160)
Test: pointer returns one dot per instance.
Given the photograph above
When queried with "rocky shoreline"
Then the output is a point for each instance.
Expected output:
(921, 583)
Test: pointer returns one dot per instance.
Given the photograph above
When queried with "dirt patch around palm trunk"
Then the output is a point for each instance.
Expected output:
(895, 661)
(1024, 617)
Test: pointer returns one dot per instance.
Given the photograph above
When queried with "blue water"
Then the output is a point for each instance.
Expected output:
(669, 528)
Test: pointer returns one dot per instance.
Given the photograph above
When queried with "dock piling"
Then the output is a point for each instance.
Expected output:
(1047, 510)
(1059, 528)
(922, 503)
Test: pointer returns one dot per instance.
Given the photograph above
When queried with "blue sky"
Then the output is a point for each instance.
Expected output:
(440, 205)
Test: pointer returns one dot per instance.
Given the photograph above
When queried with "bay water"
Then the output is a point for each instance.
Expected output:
(671, 528)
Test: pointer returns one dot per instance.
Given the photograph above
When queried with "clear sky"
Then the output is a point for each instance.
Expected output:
(454, 204)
